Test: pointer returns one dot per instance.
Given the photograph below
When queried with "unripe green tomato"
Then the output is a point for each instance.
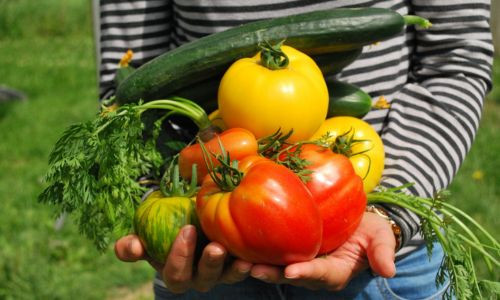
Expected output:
(158, 220)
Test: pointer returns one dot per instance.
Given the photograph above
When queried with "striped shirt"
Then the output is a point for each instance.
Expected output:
(434, 79)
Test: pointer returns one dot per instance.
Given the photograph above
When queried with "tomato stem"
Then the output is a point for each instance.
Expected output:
(344, 143)
(272, 57)
(270, 145)
(227, 176)
(276, 148)
(293, 161)
(172, 185)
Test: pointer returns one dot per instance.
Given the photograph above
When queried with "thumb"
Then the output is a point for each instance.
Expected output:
(381, 251)
(129, 248)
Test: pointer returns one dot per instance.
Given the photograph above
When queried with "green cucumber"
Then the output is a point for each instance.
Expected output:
(204, 93)
(347, 100)
(332, 63)
(317, 32)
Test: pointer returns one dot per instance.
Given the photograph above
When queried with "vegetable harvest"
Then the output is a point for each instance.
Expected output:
(266, 197)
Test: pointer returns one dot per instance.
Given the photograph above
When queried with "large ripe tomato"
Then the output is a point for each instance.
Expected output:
(337, 190)
(238, 142)
(270, 217)
(366, 156)
(262, 100)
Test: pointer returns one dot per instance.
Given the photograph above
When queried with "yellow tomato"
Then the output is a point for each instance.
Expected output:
(263, 100)
(367, 155)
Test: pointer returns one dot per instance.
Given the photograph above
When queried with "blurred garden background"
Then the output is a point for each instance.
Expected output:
(47, 52)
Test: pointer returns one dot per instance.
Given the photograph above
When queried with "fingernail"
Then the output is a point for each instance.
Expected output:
(187, 233)
(216, 252)
(244, 269)
(260, 276)
(291, 275)
(133, 247)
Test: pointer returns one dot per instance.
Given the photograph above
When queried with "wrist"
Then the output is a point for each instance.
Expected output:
(396, 229)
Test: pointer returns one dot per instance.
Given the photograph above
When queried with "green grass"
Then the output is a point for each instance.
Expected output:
(56, 69)
(46, 50)
(45, 18)
(495, 92)
(480, 196)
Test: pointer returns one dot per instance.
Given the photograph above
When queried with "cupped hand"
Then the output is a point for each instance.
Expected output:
(178, 272)
(372, 245)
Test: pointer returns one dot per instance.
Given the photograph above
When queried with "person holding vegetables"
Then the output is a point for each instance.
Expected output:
(435, 81)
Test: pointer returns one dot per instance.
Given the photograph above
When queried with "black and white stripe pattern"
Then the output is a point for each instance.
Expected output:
(435, 79)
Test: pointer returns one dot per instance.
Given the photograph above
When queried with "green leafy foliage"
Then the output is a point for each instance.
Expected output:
(95, 167)
(456, 232)
(94, 170)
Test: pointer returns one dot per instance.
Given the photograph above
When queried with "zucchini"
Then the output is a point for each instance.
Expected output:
(333, 63)
(317, 32)
(347, 100)
(204, 92)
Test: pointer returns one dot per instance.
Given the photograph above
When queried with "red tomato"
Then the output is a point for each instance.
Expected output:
(238, 142)
(337, 190)
(270, 217)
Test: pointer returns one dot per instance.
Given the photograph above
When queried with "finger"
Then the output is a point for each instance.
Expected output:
(237, 271)
(178, 269)
(315, 269)
(330, 273)
(381, 252)
(129, 248)
(267, 273)
(210, 267)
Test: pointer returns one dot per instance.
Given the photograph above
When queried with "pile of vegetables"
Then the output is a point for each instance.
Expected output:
(283, 177)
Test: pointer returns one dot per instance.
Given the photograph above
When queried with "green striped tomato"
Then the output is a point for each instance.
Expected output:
(158, 220)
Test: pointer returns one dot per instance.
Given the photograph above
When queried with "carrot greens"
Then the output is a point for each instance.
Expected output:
(454, 230)
(95, 167)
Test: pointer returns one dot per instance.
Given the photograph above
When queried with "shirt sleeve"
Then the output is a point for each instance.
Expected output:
(433, 119)
(141, 26)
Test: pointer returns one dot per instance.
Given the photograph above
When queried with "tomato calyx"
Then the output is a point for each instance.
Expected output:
(270, 145)
(276, 148)
(226, 175)
(172, 184)
(272, 57)
(290, 157)
(344, 143)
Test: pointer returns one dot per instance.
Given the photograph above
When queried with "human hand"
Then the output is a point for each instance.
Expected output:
(178, 272)
(371, 245)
